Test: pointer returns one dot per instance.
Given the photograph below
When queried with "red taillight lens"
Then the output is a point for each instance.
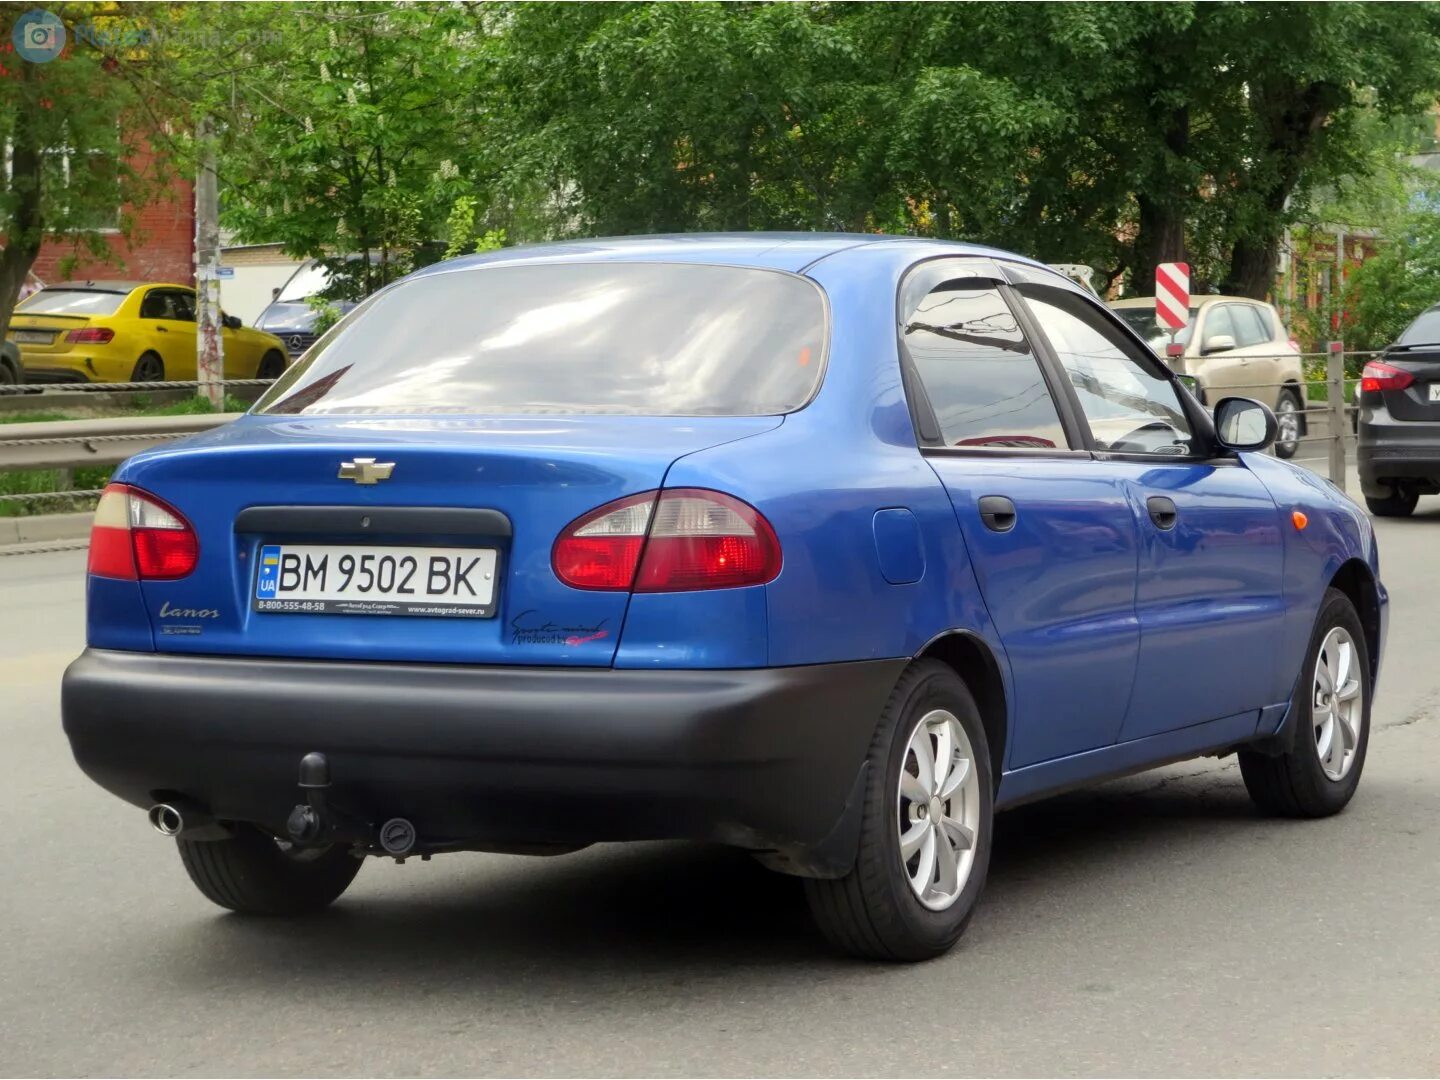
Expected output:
(685, 540)
(1294, 344)
(91, 335)
(1377, 376)
(136, 536)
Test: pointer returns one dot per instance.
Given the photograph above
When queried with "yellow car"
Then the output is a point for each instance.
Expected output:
(128, 331)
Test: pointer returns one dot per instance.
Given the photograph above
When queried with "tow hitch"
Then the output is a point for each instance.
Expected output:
(316, 821)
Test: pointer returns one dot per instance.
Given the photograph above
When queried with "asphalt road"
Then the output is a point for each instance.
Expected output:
(1155, 925)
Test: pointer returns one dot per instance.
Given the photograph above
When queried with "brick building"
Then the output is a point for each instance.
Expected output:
(161, 247)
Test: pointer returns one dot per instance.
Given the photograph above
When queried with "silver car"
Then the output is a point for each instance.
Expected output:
(1234, 347)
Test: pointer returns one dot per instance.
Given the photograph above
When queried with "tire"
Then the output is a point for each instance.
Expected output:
(1288, 412)
(874, 911)
(1399, 504)
(272, 366)
(250, 873)
(149, 368)
(8, 377)
(1296, 783)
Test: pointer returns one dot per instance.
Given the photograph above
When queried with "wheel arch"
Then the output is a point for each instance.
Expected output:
(1355, 580)
(974, 661)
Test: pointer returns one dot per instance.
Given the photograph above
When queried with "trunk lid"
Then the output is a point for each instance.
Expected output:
(44, 333)
(268, 481)
(1415, 402)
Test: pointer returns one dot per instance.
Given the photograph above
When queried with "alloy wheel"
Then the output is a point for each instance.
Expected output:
(938, 809)
(1336, 703)
(1287, 423)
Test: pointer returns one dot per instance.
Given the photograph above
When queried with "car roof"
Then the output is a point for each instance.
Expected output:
(792, 251)
(1195, 301)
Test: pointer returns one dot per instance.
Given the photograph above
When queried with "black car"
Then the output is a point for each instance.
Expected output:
(1399, 425)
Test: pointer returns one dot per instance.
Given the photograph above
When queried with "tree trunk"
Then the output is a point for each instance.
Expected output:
(26, 230)
(1162, 213)
(1253, 263)
(1161, 239)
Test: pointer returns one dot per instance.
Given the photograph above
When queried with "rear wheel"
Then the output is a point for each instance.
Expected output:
(1318, 774)
(1400, 502)
(255, 874)
(7, 374)
(925, 826)
(149, 368)
(1287, 424)
(272, 366)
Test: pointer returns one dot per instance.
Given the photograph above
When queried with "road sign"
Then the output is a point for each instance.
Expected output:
(225, 271)
(1172, 295)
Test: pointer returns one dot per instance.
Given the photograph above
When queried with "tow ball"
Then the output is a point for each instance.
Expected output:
(315, 820)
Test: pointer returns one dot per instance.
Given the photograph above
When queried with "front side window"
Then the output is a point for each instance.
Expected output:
(978, 372)
(1130, 406)
(642, 339)
(1218, 324)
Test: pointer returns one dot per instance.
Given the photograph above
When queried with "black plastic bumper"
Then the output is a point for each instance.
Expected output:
(767, 759)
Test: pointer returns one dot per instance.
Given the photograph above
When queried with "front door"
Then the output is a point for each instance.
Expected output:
(1050, 532)
(1222, 373)
(1209, 596)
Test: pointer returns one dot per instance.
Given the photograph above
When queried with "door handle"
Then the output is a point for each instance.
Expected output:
(1162, 511)
(163, 329)
(997, 512)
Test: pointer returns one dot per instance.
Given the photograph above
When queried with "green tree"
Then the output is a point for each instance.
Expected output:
(74, 126)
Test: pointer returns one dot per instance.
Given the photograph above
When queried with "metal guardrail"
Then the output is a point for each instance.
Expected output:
(69, 444)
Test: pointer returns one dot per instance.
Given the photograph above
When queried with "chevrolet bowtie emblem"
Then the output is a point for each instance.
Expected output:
(366, 470)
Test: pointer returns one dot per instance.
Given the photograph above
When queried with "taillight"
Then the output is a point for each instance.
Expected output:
(1294, 344)
(685, 540)
(91, 335)
(138, 537)
(1378, 376)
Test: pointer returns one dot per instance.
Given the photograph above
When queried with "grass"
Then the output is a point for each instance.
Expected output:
(59, 482)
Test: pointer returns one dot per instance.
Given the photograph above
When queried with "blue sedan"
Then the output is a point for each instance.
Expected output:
(825, 547)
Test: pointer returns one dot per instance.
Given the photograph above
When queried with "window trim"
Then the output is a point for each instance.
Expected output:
(922, 278)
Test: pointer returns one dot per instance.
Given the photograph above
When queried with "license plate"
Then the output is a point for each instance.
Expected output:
(33, 337)
(1435, 391)
(355, 579)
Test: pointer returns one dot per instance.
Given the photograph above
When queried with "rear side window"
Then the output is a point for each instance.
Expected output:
(1248, 328)
(72, 302)
(623, 338)
(978, 372)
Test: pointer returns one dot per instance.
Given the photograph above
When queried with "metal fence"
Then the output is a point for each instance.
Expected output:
(60, 516)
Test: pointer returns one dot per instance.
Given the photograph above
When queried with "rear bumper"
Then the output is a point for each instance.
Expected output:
(1388, 449)
(768, 759)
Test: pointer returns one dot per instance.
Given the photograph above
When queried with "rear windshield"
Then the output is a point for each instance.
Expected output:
(1142, 321)
(1423, 331)
(627, 338)
(71, 302)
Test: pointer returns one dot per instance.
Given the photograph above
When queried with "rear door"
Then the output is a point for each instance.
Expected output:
(1051, 533)
(168, 315)
(1209, 597)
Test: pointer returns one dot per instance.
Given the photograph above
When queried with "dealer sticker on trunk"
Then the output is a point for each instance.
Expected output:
(341, 579)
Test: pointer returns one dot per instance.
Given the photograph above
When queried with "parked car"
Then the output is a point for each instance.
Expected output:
(1233, 345)
(12, 365)
(680, 538)
(1399, 420)
(289, 316)
(128, 331)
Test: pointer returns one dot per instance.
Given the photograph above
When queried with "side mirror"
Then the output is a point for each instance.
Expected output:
(1217, 343)
(1242, 424)
(232, 322)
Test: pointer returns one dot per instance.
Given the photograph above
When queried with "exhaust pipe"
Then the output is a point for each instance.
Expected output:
(187, 820)
(167, 819)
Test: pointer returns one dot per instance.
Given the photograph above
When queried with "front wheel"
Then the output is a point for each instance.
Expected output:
(1287, 424)
(925, 826)
(255, 874)
(1317, 775)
